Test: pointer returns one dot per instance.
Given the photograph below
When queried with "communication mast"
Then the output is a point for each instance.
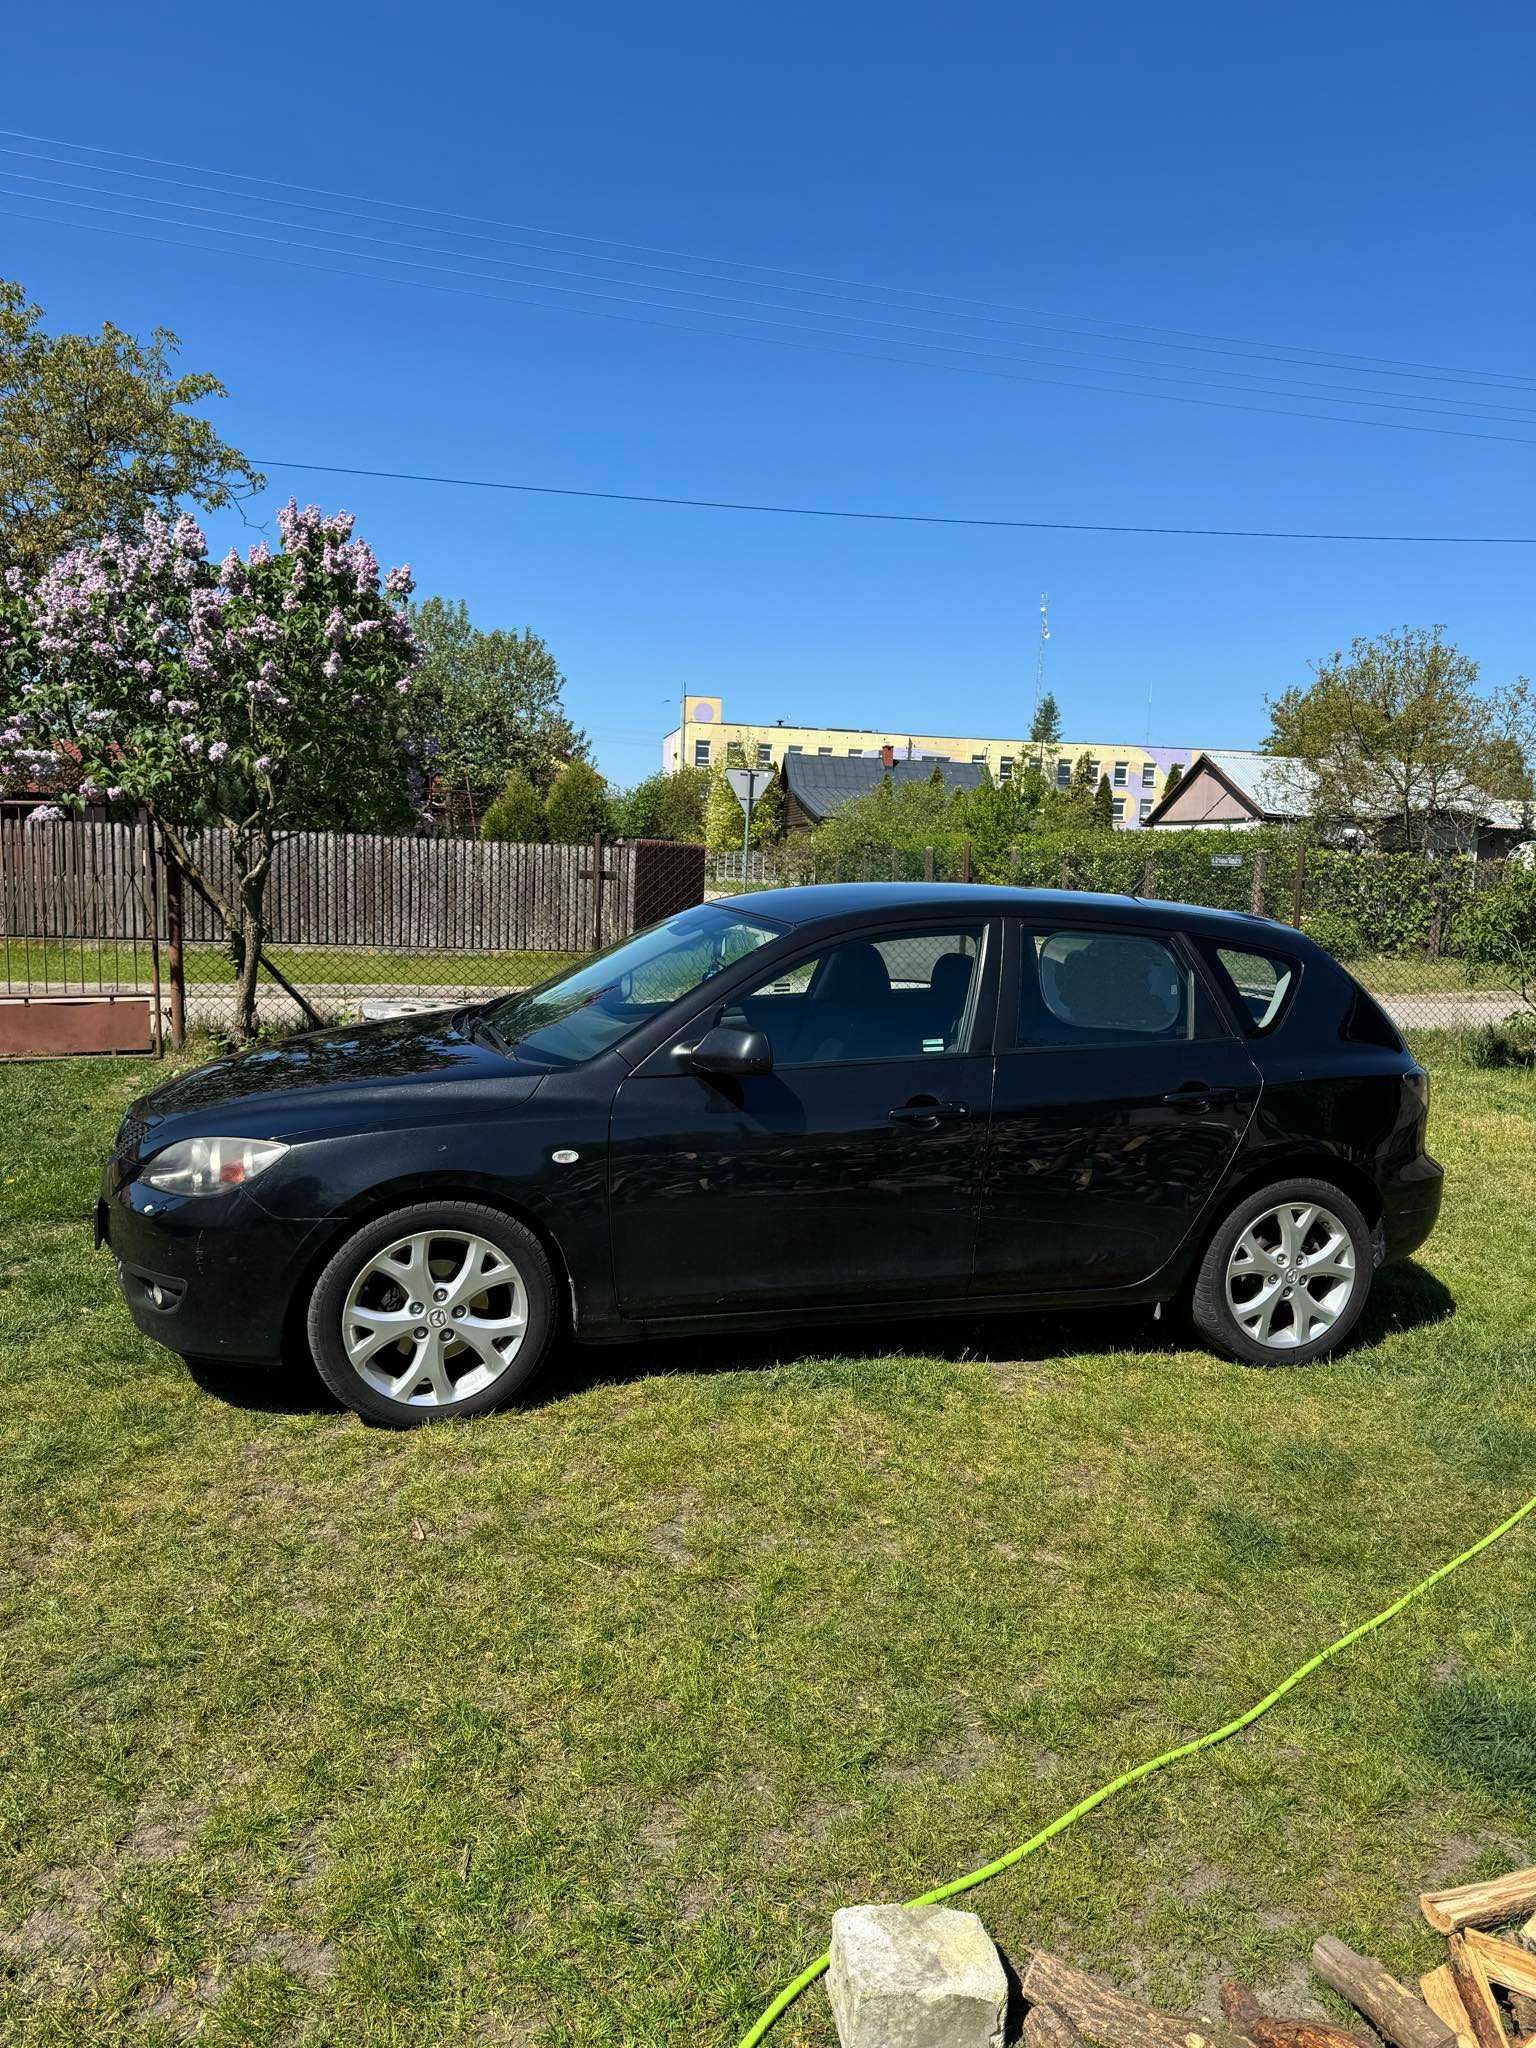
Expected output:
(1045, 634)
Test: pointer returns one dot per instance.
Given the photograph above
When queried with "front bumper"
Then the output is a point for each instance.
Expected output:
(1410, 1205)
(210, 1276)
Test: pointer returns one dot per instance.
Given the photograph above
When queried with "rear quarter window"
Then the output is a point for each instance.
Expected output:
(1263, 984)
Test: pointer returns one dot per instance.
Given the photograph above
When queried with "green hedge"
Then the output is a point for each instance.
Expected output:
(1356, 904)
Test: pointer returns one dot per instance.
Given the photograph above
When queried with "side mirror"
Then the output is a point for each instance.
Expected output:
(725, 1051)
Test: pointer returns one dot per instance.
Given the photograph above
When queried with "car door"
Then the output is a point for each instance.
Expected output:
(847, 1176)
(1122, 1094)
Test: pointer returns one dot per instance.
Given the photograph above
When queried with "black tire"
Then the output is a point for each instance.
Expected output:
(1213, 1315)
(439, 1224)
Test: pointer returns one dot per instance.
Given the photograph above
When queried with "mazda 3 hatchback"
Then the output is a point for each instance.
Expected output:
(832, 1103)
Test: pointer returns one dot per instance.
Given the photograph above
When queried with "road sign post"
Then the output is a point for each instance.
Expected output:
(749, 784)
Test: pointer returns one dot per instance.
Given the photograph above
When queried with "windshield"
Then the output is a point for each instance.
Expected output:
(579, 1015)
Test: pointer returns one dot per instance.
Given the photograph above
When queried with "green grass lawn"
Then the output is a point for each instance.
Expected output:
(96, 963)
(572, 1725)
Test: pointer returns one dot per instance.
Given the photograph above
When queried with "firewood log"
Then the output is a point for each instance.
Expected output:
(1438, 1990)
(1520, 2004)
(1480, 1905)
(1504, 1962)
(1111, 2020)
(1371, 1989)
(1045, 2027)
(1468, 1969)
(1247, 2017)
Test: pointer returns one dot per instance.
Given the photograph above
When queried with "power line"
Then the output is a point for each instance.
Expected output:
(479, 483)
(1390, 363)
(1432, 407)
(877, 315)
(677, 327)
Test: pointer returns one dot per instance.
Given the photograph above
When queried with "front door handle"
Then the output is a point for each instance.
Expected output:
(926, 1114)
(1199, 1095)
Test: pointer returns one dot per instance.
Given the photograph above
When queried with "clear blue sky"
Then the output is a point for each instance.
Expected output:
(1355, 180)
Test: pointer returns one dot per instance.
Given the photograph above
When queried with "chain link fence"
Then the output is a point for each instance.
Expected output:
(1399, 922)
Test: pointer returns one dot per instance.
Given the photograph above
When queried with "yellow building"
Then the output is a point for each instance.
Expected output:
(707, 737)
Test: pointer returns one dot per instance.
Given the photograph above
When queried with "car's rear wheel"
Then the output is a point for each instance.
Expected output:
(1286, 1276)
(434, 1311)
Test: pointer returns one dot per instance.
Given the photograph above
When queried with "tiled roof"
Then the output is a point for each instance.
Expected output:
(823, 783)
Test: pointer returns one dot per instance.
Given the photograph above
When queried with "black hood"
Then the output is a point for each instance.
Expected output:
(352, 1076)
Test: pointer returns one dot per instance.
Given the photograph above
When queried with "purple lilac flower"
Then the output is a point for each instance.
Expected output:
(400, 582)
(263, 762)
(45, 814)
(191, 744)
(218, 750)
(332, 667)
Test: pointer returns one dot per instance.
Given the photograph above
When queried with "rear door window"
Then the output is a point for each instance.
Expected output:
(1262, 983)
(1088, 988)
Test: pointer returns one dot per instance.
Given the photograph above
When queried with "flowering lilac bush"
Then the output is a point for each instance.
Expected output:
(263, 695)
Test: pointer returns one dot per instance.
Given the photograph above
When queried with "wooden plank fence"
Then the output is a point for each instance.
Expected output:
(379, 891)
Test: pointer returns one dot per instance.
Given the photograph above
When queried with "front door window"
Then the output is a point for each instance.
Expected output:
(909, 996)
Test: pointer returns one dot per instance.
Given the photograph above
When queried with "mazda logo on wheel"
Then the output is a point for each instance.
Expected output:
(438, 1318)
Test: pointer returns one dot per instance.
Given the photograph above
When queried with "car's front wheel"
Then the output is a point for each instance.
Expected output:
(434, 1311)
(1286, 1276)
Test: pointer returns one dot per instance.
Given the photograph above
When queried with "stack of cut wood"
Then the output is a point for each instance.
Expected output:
(1482, 1996)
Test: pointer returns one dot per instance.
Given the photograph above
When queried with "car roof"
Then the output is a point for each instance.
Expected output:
(822, 902)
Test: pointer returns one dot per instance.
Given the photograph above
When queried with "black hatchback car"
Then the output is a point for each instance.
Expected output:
(809, 1104)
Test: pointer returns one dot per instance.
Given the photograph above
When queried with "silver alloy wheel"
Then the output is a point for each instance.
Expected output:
(434, 1317)
(1291, 1275)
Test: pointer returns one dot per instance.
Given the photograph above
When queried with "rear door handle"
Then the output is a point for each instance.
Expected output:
(1198, 1095)
(928, 1112)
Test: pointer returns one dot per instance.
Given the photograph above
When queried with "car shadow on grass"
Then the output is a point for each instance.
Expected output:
(1406, 1297)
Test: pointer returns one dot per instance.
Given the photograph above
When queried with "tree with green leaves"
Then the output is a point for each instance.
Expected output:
(1045, 727)
(997, 815)
(258, 698)
(1497, 932)
(723, 820)
(96, 430)
(517, 813)
(1172, 779)
(666, 805)
(486, 703)
(1398, 740)
(578, 806)
(1104, 805)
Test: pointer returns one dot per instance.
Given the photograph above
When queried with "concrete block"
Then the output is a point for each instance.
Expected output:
(915, 1977)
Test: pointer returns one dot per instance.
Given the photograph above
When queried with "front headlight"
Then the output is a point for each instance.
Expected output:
(207, 1166)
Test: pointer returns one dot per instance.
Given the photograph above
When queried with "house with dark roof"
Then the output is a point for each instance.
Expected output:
(817, 785)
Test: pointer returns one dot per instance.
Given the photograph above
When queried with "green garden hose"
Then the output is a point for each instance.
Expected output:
(808, 1976)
